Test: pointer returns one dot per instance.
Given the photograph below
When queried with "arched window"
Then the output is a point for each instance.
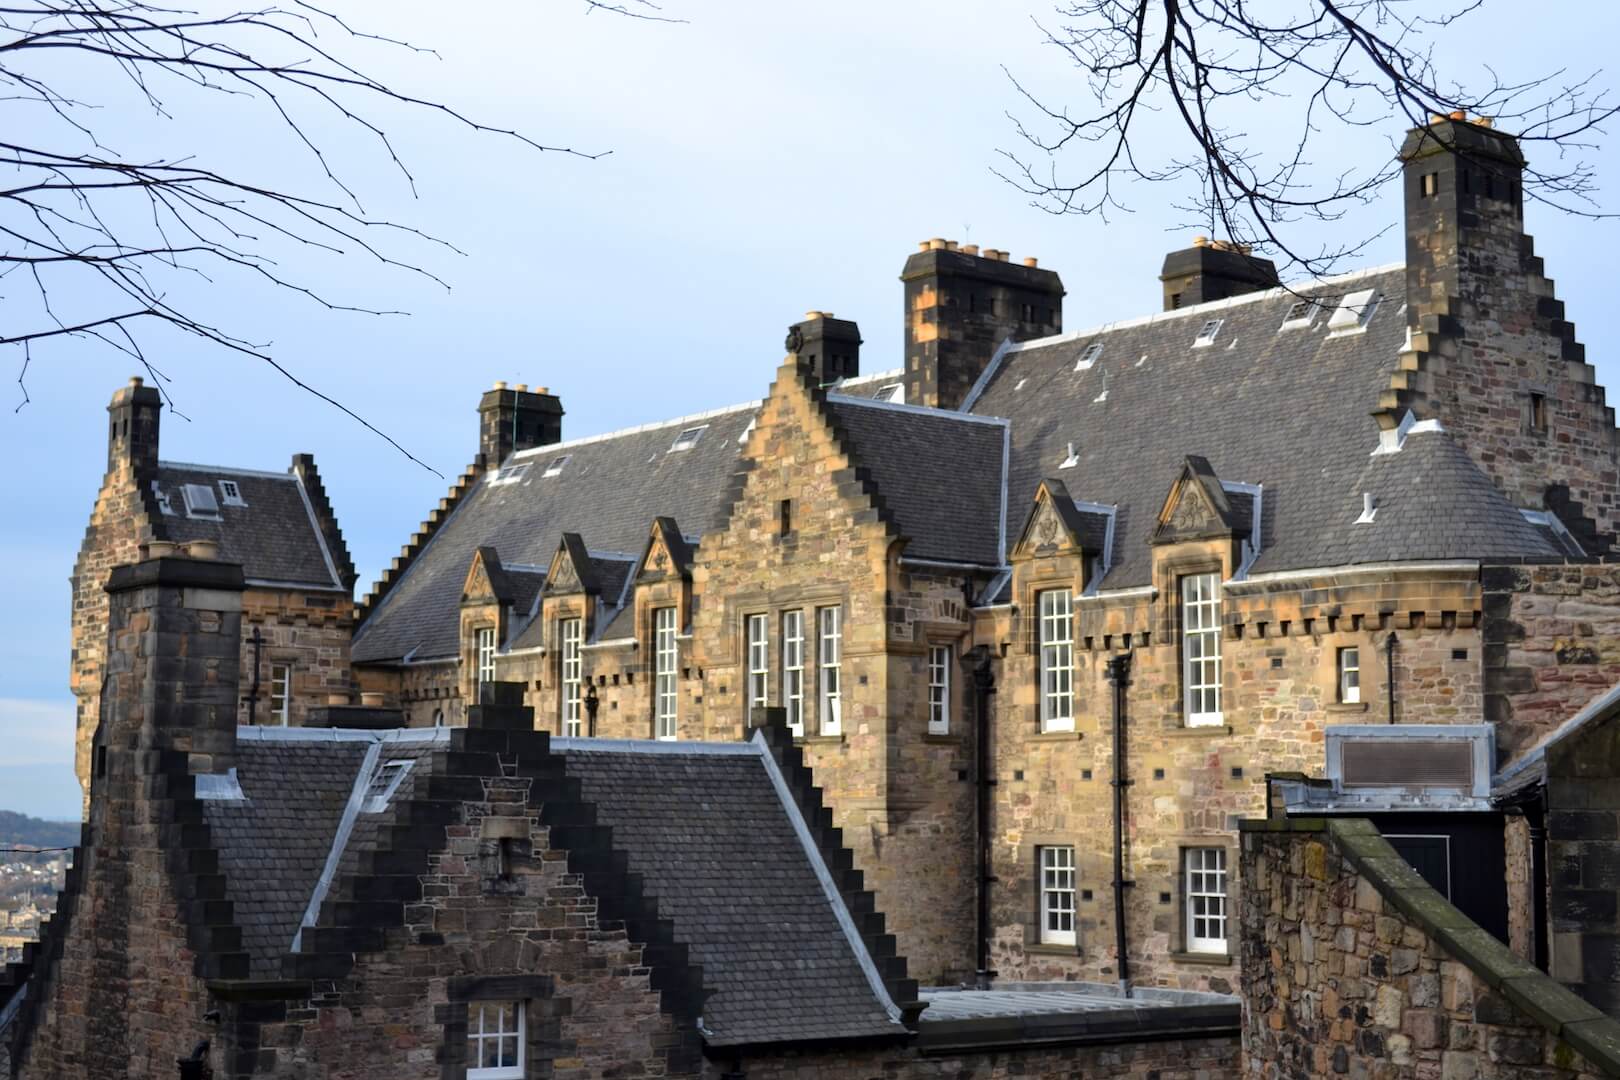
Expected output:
(438, 718)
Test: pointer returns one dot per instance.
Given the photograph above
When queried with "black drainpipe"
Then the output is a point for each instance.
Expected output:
(1535, 813)
(1119, 673)
(253, 691)
(984, 684)
(1389, 671)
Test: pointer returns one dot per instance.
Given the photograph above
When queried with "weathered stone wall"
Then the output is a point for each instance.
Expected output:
(1552, 643)
(1171, 1059)
(309, 631)
(1352, 965)
(1583, 860)
(1190, 785)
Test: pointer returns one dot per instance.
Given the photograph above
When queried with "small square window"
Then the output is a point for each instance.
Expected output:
(231, 493)
(1300, 315)
(1089, 357)
(556, 465)
(688, 438)
(1207, 333)
(495, 1040)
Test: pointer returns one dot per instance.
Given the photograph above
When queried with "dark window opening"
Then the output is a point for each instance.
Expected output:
(1431, 185)
(1175, 301)
(1467, 181)
(1459, 654)
(101, 761)
(787, 517)
(1538, 411)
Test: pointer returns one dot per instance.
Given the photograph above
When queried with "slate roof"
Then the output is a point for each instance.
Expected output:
(274, 843)
(939, 474)
(718, 848)
(1286, 409)
(274, 537)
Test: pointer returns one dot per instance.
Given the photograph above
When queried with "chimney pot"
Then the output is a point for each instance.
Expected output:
(970, 249)
(542, 389)
(815, 314)
(500, 384)
(1002, 256)
(922, 245)
(522, 387)
(936, 244)
(1458, 114)
(950, 245)
(1200, 241)
(1031, 262)
(135, 380)
(206, 550)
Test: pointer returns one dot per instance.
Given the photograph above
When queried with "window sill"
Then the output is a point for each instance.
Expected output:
(1043, 948)
(1210, 959)
(818, 740)
(1055, 736)
(1198, 730)
(942, 739)
(1347, 707)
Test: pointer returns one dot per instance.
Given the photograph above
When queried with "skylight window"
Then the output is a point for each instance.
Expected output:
(1207, 333)
(688, 438)
(1354, 312)
(384, 781)
(1300, 315)
(555, 466)
(231, 491)
(511, 474)
(200, 501)
(1089, 357)
(893, 392)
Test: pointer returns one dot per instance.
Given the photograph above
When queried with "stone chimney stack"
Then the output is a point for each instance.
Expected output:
(173, 659)
(1213, 270)
(832, 347)
(517, 418)
(961, 304)
(132, 439)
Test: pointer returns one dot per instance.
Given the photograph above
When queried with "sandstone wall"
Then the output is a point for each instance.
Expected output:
(1352, 965)
(311, 633)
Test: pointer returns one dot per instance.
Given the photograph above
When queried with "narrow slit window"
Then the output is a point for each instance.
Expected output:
(1431, 185)
(785, 517)
(664, 690)
(485, 646)
(1201, 647)
(1056, 631)
(1206, 899)
(939, 690)
(1057, 895)
(830, 684)
(759, 661)
(570, 634)
(1538, 412)
(793, 669)
(280, 693)
(1350, 675)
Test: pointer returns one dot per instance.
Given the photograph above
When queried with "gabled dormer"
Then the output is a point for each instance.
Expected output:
(666, 554)
(571, 572)
(486, 613)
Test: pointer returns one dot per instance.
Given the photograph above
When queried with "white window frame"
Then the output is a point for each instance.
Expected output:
(665, 691)
(1354, 312)
(758, 644)
(1207, 333)
(570, 639)
(382, 784)
(484, 656)
(894, 393)
(280, 714)
(1349, 664)
(556, 465)
(478, 1034)
(1056, 643)
(939, 689)
(201, 502)
(230, 493)
(1200, 598)
(1089, 356)
(829, 681)
(688, 438)
(1205, 898)
(1059, 885)
(793, 669)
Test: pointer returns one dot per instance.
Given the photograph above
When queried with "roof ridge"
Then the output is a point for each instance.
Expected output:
(1204, 308)
(551, 448)
(233, 470)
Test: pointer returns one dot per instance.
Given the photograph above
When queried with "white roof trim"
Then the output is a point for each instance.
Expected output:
(1597, 706)
(315, 526)
(1361, 569)
(227, 470)
(895, 406)
(658, 746)
(265, 733)
(221, 786)
(340, 840)
(829, 888)
(679, 421)
(892, 375)
(307, 586)
(1200, 309)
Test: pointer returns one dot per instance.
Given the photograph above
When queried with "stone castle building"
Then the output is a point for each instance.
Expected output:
(1043, 613)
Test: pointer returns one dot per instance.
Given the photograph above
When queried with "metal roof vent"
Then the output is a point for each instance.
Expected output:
(200, 501)
(1431, 758)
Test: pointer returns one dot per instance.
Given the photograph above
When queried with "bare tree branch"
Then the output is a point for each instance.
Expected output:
(1205, 67)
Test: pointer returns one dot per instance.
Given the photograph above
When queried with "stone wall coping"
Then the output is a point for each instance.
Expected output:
(177, 572)
(1557, 1009)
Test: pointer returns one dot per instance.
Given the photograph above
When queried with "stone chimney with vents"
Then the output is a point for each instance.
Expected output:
(961, 304)
(1490, 354)
(832, 347)
(1213, 270)
(516, 418)
(132, 438)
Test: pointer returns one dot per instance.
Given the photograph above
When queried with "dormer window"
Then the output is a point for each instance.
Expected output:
(1354, 312)
(1300, 315)
(200, 501)
(688, 438)
(1207, 333)
(231, 493)
(1089, 357)
(555, 466)
(384, 781)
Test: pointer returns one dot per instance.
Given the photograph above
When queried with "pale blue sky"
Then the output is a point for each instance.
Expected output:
(767, 159)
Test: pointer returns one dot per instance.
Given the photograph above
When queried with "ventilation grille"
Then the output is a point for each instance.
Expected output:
(1447, 763)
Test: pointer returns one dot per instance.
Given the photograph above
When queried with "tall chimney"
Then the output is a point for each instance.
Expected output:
(132, 437)
(832, 347)
(960, 306)
(1213, 270)
(513, 419)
